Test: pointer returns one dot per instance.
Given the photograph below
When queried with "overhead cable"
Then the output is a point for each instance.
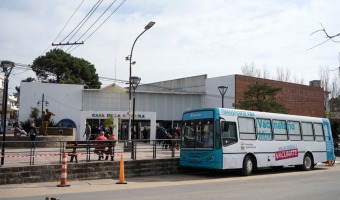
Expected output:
(100, 25)
(64, 27)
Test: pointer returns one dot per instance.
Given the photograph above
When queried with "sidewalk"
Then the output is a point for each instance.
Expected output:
(50, 189)
(15, 157)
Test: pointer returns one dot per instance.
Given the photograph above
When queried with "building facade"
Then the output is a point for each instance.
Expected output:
(12, 107)
(160, 103)
(299, 99)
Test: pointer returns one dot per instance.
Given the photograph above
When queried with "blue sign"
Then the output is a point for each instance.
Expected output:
(198, 115)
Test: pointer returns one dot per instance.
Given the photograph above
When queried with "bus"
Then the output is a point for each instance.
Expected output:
(220, 138)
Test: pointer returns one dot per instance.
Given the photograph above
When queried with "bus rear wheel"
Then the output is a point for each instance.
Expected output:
(248, 166)
(308, 163)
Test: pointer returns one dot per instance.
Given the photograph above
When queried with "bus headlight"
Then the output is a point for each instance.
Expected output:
(210, 158)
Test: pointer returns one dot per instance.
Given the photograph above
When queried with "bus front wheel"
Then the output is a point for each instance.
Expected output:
(248, 166)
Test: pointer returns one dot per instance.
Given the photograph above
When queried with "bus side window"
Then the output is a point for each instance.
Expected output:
(307, 131)
(294, 130)
(229, 133)
(246, 127)
(318, 130)
(264, 129)
(280, 130)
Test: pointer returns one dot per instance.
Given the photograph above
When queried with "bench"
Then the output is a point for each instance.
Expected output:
(108, 147)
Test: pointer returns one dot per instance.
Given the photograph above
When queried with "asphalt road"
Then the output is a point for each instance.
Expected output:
(287, 184)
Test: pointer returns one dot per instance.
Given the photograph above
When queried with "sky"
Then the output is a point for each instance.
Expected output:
(190, 37)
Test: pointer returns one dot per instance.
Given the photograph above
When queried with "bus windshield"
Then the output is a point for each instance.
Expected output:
(197, 134)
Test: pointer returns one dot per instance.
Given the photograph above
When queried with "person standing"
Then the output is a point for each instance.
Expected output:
(87, 132)
(145, 134)
(33, 134)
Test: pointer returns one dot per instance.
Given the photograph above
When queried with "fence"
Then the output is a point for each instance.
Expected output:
(21, 153)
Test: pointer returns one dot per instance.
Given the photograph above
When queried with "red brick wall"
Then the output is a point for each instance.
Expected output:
(299, 99)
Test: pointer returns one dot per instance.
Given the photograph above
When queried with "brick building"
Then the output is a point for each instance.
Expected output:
(299, 99)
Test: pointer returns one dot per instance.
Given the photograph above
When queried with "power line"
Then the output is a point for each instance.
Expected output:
(92, 25)
(80, 21)
(64, 26)
(86, 20)
(66, 105)
(97, 20)
(100, 24)
(106, 19)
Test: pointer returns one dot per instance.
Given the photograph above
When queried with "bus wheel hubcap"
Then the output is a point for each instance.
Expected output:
(249, 165)
(308, 162)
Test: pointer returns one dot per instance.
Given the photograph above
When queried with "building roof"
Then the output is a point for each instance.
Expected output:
(187, 85)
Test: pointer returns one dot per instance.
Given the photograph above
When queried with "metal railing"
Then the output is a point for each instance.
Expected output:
(23, 153)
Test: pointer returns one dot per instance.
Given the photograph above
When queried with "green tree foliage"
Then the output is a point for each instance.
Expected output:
(334, 104)
(34, 113)
(60, 67)
(261, 97)
(109, 122)
(29, 79)
(335, 126)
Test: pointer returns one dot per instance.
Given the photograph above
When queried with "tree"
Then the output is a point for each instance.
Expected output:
(250, 70)
(34, 113)
(109, 122)
(327, 38)
(261, 97)
(281, 74)
(60, 67)
(335, 127)
(29, 79)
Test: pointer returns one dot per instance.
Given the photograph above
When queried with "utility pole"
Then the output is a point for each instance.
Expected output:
(67, 43)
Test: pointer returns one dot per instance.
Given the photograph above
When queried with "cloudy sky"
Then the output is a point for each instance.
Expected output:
(190, 37)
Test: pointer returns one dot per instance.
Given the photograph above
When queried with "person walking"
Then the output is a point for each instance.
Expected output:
(33, 134)
(87, 132)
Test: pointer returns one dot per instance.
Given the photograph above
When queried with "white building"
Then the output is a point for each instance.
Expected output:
(12, 108)
(162, 102)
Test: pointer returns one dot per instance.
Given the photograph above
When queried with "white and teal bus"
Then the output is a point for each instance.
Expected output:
(219, 138)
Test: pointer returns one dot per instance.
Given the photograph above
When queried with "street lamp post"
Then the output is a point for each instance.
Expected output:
(134, 84)
(223, 90)
(42, 102)
(7, 67)
(129, 58)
